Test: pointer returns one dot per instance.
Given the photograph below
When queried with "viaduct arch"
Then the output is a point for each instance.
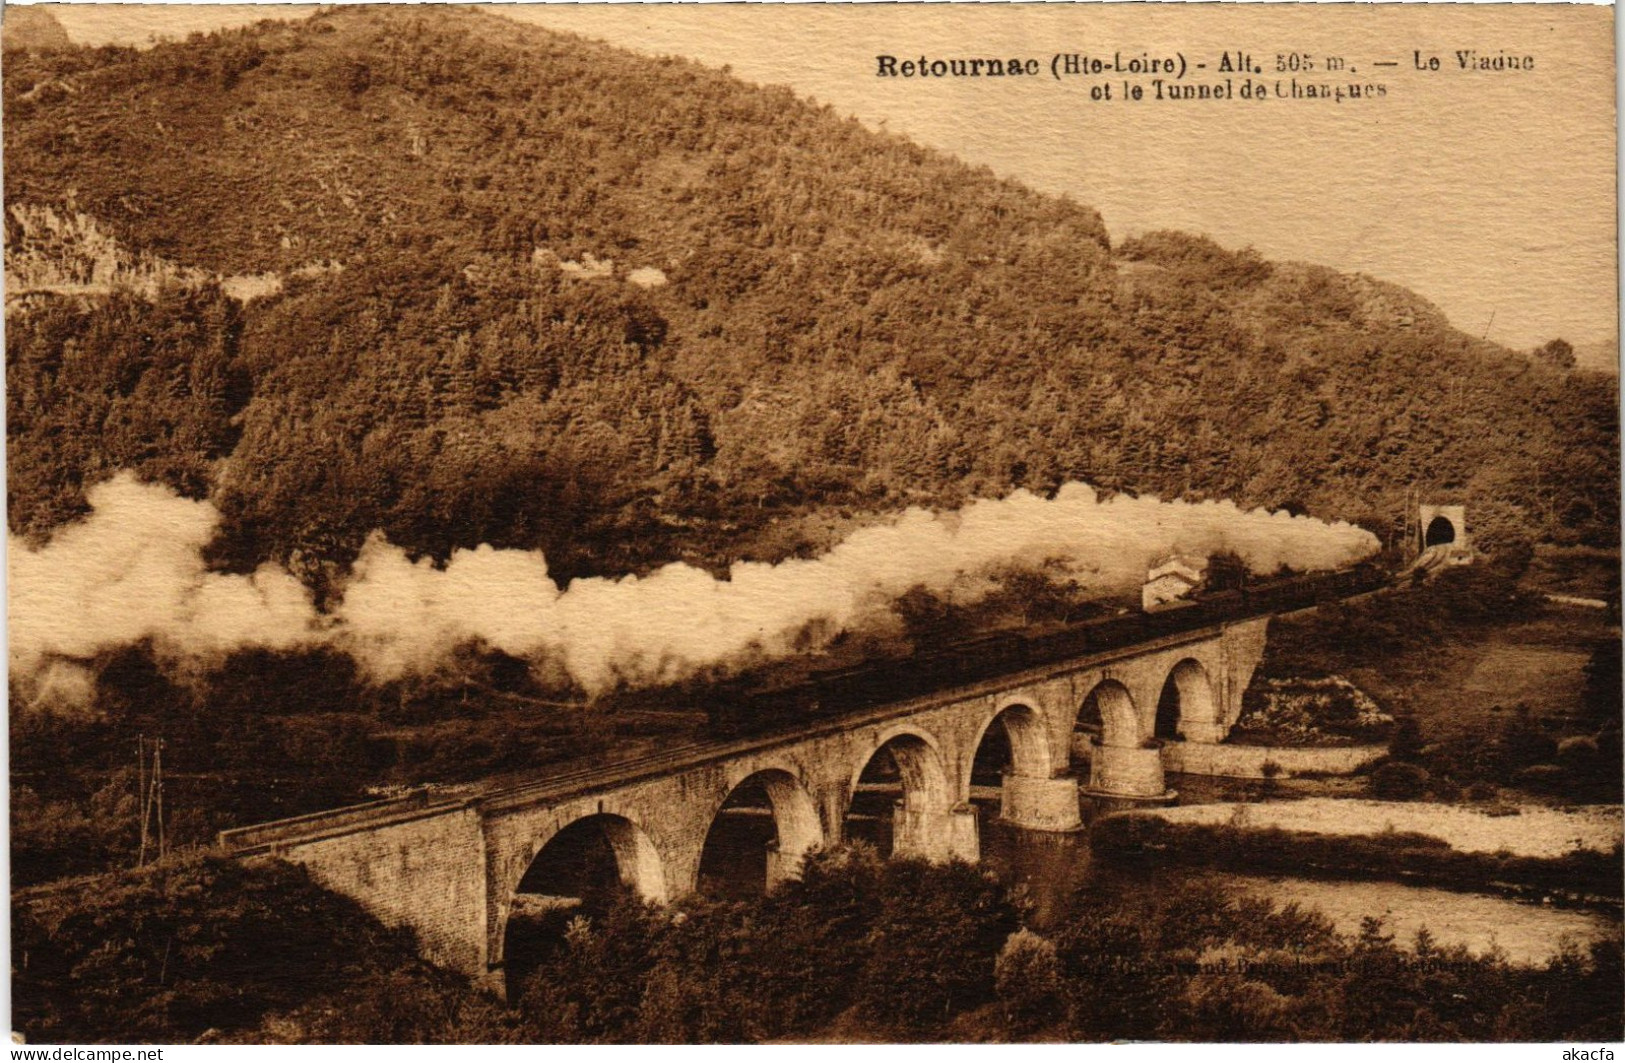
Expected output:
(450, 868)
(637, 863)
(931, 819)
(792, 819)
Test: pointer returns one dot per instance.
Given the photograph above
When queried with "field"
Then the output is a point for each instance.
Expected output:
(1460, 666)
(1466, 685)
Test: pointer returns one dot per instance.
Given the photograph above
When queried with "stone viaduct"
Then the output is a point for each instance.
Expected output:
(450, 868)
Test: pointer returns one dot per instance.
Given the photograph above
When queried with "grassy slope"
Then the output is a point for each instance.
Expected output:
(1466, 685)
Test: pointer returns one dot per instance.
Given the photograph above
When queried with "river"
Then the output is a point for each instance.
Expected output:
(1048, 869)
(1051, 866)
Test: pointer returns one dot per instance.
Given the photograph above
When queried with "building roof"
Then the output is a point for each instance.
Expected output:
(1191, 569)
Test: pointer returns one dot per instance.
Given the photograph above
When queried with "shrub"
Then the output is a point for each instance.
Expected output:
(934, 942)
(592, 988)
(1027, 978)
(1444, 788)
(1541, 777)
(50, 839)
(1399, 782)
(1524, 742)
(910, 942)
(165, 953)
(1406, 743)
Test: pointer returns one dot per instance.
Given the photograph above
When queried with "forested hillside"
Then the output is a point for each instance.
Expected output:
(517, 288)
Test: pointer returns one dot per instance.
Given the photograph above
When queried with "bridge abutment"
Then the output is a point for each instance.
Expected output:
(1034, 803)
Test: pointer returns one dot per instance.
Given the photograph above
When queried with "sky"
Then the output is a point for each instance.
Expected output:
(1492, 194)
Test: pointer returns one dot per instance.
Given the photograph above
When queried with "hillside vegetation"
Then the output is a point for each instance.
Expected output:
(431, 273)
(527, 290)
(212, 951)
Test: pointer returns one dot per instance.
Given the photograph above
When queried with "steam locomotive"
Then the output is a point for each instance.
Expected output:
(748, 706)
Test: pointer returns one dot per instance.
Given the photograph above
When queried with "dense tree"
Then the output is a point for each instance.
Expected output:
(1558, 353)
(659, 303)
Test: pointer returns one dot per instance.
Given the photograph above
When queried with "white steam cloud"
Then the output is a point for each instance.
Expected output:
(133, 570)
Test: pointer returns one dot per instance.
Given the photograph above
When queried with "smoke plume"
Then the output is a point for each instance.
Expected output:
(134, 570)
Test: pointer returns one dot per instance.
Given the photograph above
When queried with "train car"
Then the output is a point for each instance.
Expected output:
(748, 707)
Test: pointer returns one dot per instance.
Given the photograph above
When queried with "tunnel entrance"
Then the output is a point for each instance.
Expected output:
(1439, 532)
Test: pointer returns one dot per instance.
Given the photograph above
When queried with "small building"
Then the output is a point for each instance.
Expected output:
(1170, 580)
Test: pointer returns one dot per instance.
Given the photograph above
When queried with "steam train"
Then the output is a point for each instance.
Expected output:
(748, 706)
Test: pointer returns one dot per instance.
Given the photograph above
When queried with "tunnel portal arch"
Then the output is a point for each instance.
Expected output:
(1441, 531)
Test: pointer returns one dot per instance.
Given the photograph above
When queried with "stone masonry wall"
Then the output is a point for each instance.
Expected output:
(1247, 762)
(425, 872)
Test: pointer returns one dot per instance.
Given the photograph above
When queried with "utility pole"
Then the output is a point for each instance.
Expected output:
(141, 793)
(158, 794)
(152, 798)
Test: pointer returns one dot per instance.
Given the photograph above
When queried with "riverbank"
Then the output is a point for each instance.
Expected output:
(1524, 830)
(1578, 876)
(1483, 925)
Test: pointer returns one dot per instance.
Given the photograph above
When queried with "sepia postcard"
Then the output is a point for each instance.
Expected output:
(812, 523)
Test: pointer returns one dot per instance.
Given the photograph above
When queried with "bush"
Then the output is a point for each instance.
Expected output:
(1399, 782)
(1027, 979)
(1544, 778)
(168, 952)
(909, 943)
(934, 943)
(591, 990)
(1406, 743)
(1144, 843)
(1524, 742)
(1194, 960)
(50, 839)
